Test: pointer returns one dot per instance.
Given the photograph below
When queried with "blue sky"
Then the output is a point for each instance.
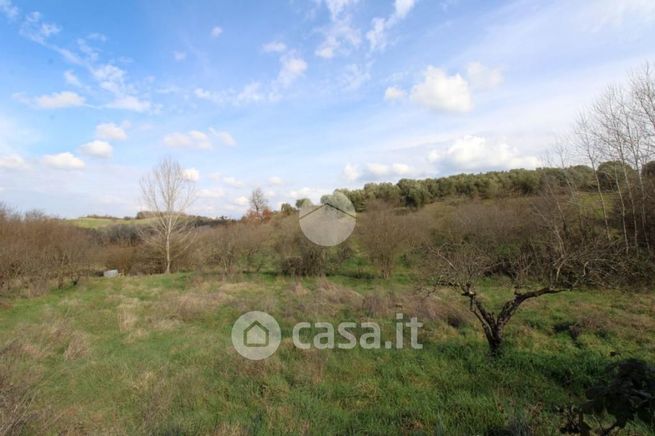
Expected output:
(295, 97)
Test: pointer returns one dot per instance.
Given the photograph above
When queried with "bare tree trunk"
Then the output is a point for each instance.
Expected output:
(168, 254)
(585, 138)
(493, 325)
(602, 204)
(623, 213)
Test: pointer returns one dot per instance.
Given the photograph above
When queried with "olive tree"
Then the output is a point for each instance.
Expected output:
(537, 248)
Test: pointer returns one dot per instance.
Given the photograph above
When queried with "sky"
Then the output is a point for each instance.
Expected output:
(296, 97)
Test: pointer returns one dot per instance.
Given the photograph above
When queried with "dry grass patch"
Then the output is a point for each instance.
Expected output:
(235, 288)
(127, 318)
(19, 413)
(230, 429)
(426, 308)
(51, 337)
(185, 307)
(298, 289)
(78, 346)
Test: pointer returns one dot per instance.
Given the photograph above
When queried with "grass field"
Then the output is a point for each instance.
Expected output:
(96, 223)
(153, 355)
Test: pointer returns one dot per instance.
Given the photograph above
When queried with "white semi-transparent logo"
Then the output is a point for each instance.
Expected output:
(330, 223)
(256, 335)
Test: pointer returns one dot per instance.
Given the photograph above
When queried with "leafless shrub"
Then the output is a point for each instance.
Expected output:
(38, 250)
(296, 254)
(235, 247)
(386, 233)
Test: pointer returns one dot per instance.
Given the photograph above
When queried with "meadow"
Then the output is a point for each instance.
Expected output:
(153, 355)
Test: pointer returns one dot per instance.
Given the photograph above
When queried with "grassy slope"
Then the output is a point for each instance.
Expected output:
(96, 223)
(153, 354)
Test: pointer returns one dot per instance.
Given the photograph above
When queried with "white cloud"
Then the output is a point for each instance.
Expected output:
(59, 100)
(482, 77)
(477, 153)
(394, 93)
(202, 93)
(63, 161)
(250, 93)
(224, 137)
(130, 103)
(97, 148)
(233, 182)
(110, 131)
(313, 194)
(241, 201)
(400, 169)
(12, 162)
(340, 32)
(191, 174)
(350, 173)
(274, 47)
(376, 171)
(275, 180)
(441, 92)
(110, 78)
(34, 28)
(336, 7)
(211, 193)
(402, 7)
(216, 31)
(214, 97)
(7, 8)
(377, 36)
(192, 139)
(198, 140)
(434, 155)
(355, 76)
(72, 79)
(293, 66)
(179, 55)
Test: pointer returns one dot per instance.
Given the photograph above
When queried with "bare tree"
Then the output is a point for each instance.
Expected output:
(620, 130)
(259, 210)
(167, 193)
(583, 138)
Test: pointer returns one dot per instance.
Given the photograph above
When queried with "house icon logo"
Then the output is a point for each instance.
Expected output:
(256, 335)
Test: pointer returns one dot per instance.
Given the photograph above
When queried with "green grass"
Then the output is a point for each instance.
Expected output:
(97, 223)
(144, 355)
